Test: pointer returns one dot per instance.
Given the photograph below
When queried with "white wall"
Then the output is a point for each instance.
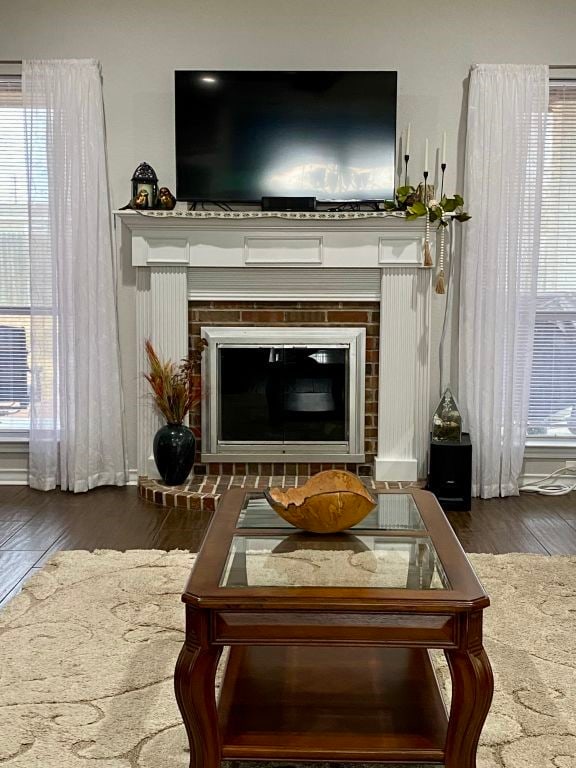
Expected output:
(140, 43)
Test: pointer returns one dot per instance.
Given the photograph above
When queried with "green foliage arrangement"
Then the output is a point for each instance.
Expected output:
(407, 199)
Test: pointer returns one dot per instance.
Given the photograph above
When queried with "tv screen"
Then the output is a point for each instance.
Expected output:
(241, 136)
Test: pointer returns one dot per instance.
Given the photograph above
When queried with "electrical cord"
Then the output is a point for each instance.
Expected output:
(222, 206)
(552, 489)
(354, 206)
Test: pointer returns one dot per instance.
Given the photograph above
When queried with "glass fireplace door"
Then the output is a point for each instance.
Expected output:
(283, 394)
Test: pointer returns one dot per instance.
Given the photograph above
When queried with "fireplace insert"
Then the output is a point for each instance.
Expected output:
(287, 394)
(281, 392)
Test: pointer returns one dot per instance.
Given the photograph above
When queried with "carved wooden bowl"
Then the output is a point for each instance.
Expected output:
(330, 501)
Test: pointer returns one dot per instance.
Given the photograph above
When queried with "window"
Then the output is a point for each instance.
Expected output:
(552, 411)
(14, 264)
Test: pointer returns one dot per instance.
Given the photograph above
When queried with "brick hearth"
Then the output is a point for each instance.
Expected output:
(202, 492)
(331, 314)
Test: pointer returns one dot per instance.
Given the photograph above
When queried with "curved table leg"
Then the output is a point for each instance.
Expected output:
(194, 681)
(472, 688)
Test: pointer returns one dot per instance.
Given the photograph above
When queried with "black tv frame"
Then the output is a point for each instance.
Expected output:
(222, 202)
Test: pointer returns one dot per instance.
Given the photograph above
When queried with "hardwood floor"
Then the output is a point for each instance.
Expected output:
(34, 525)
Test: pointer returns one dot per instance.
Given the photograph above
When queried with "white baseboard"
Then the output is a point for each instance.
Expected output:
(395, 469)
(530, 479)
(20, 476)
(14, 476)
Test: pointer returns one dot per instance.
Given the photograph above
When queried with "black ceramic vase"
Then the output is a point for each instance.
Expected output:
(174, 448)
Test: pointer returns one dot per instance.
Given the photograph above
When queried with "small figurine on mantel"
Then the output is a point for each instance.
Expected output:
(166, 200)
(141, 200)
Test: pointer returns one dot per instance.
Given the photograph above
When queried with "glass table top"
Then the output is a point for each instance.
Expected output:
(334, 560)
(394, 512)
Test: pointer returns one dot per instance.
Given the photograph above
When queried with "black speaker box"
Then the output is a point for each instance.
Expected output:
(288, 203)
(450, 476)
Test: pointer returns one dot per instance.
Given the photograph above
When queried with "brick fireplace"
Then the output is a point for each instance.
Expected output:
(209, 269)
(328, 314)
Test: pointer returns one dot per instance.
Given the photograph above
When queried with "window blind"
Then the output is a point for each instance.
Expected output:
(14, 262)
(552, 410)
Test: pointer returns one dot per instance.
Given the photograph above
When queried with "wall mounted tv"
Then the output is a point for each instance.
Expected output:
(241, 136)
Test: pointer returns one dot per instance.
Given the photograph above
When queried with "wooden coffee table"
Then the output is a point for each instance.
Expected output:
(328, 639)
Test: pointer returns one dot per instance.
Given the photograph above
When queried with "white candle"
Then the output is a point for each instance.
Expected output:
(407, 149)
(426, 155)
(444, 147)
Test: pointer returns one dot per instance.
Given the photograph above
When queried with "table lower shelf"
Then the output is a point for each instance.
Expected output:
(327, 703)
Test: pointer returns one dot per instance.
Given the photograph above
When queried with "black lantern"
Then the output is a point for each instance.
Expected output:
(144, 187)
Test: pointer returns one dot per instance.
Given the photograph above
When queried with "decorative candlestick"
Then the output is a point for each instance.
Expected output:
(443, 163)
(407, 153)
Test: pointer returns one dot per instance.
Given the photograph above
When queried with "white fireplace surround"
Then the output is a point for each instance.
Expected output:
(183, 258)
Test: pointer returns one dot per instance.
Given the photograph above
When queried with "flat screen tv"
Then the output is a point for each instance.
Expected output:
(241, 136)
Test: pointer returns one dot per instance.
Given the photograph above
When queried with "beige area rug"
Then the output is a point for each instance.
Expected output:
(87, 652)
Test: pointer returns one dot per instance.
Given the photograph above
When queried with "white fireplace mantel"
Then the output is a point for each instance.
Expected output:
(184, 257)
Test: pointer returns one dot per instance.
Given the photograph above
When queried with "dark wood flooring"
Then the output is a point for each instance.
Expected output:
(33, 525)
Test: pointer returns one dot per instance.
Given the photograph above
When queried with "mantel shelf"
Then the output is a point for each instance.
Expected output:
(358, 240)
(252, 214)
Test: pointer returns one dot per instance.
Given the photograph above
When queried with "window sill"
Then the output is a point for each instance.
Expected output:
(550, 449)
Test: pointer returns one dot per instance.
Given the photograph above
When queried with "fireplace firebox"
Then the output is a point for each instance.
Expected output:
(283, 394)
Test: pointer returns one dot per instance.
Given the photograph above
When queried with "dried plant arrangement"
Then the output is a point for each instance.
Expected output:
(175, 386)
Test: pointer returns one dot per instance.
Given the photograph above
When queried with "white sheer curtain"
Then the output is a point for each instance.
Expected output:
(507, 108)
(76, 431)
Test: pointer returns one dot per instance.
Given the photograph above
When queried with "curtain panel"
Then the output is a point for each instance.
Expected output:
(507, 108)
(76, 431)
